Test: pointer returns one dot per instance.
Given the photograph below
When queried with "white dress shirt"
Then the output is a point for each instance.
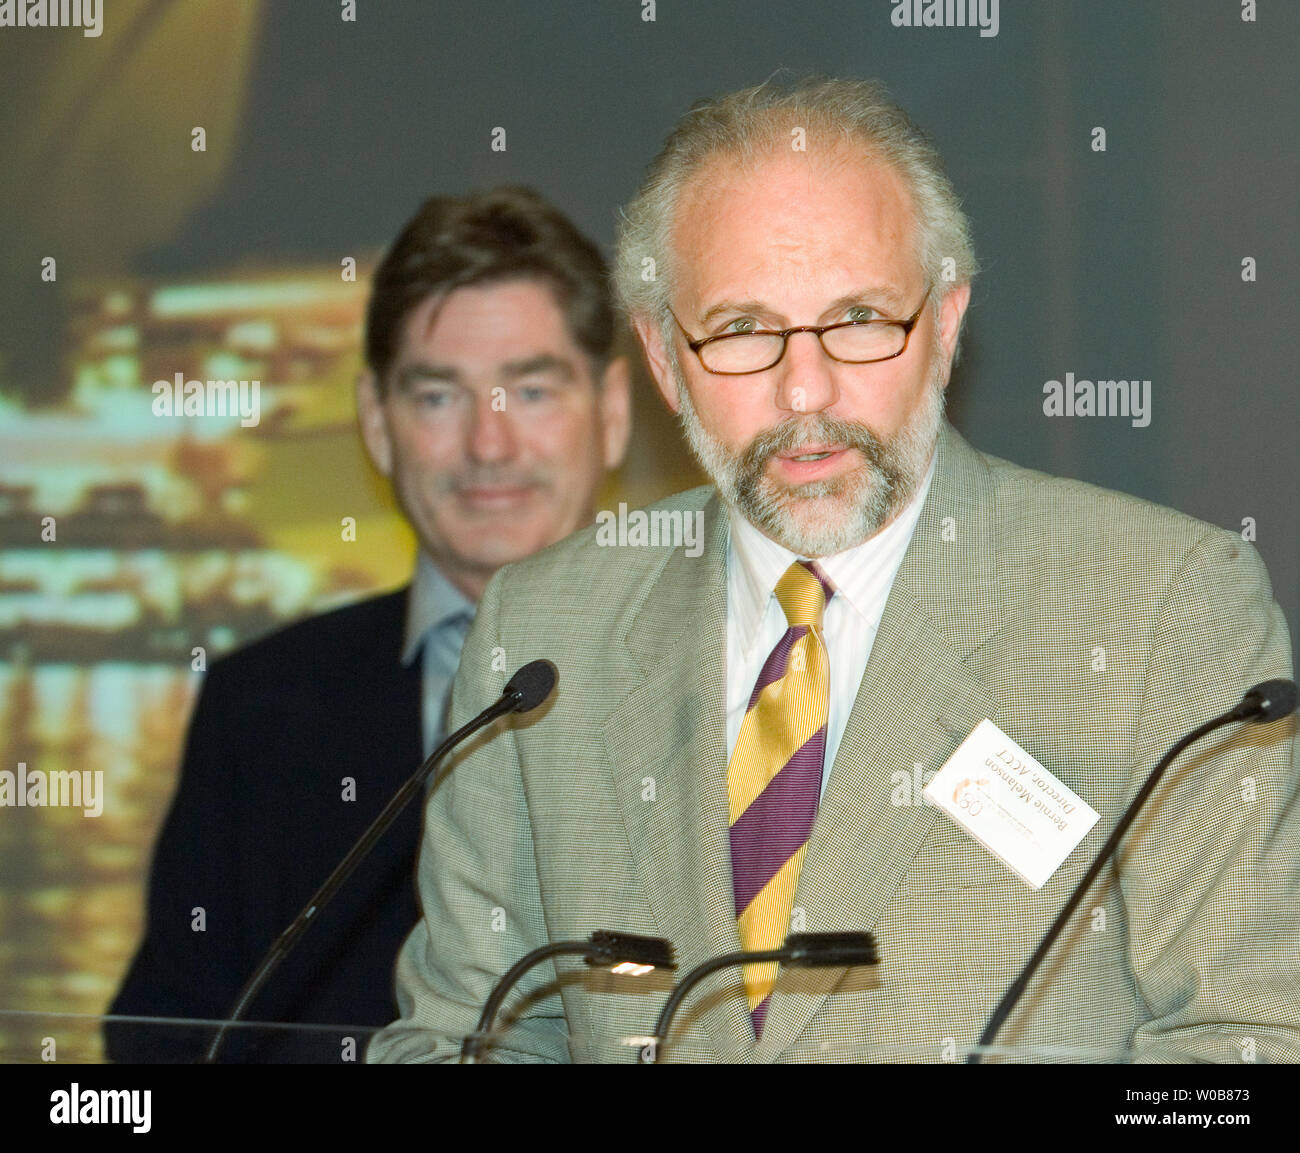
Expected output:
(862, 577)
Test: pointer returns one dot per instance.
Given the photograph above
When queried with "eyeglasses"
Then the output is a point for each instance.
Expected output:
(849, 342)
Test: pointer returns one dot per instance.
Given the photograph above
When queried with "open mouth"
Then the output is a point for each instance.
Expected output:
(811, 451)
(811, 462)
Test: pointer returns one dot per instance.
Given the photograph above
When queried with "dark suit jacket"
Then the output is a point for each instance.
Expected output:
(259, 820)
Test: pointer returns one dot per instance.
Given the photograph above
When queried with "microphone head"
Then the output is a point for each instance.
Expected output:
(531, 685)
(1269, 701)
(610, 949)
(817, 950)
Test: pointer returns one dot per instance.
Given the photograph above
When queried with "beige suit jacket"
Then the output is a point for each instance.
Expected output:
(1092, 627)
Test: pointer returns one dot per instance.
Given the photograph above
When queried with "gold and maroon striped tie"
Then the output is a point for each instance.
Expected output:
(775, 775)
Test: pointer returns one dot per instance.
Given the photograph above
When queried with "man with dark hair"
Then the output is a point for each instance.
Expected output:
(493, 402)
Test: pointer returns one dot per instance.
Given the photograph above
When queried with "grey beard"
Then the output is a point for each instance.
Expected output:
(820, 518)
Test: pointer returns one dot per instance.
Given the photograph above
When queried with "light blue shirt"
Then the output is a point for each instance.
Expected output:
(438, 616)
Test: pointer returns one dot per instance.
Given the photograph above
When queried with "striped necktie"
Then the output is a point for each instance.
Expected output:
(775, 776)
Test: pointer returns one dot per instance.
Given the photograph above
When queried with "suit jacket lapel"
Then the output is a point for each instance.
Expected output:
(672, 728)
(916, 703)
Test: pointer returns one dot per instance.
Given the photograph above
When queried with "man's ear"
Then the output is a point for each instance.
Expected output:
(374, 423)
(616, 410)
(950, 317)
(656, 355)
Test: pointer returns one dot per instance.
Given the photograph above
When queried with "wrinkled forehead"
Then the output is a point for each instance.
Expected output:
(825, 216)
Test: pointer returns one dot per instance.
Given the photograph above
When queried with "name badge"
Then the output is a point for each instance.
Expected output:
(1010, 804)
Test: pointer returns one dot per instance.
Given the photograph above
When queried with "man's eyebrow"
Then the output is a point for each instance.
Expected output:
(744, 307)
(885, 294)
(543, 362)
(421, 371)
(412, 374)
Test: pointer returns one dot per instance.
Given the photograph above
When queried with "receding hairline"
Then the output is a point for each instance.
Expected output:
(747, 159)
(859, 114)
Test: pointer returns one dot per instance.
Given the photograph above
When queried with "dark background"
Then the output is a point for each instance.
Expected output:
(1123, 264)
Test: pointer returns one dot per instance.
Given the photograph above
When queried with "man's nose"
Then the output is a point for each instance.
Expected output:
(807, 382)
(491, 434)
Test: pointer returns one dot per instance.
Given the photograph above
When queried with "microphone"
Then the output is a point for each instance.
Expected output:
(527, 689)
(800, 951)
(531, 685)
(629, 954)
(1267, 701)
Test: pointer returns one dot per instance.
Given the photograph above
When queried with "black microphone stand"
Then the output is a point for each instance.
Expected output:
(801, 951)
(517, 696)
(1266, 702)
(625, 953)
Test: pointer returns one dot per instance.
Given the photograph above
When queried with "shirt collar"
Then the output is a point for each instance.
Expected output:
(434, 601)
(756, 563)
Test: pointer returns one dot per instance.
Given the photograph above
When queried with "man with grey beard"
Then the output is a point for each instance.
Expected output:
(871, 496)
(731, 752)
